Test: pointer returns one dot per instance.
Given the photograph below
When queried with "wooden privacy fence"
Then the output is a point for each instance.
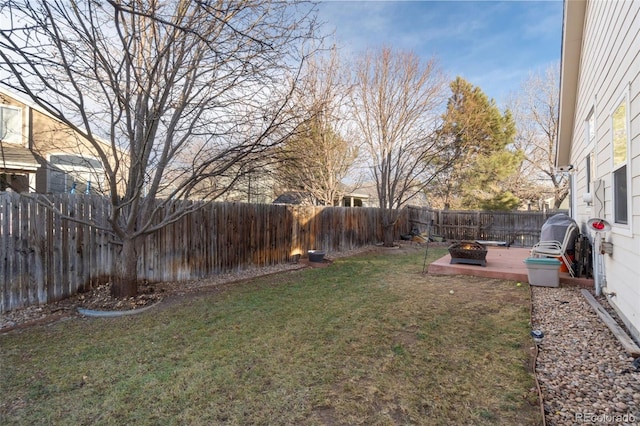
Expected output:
(45, 258)
(518, 228)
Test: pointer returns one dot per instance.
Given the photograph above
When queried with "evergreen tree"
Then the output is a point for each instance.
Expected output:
(479, 137)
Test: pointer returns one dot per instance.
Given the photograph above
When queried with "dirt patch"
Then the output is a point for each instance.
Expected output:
(406, 337)
(327, 415)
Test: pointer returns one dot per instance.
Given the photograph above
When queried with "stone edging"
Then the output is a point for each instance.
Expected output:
(112, 314)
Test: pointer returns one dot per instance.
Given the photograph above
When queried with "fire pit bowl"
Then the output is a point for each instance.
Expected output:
(469, 252)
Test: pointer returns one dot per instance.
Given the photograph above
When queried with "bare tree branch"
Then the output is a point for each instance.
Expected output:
(317, 159)
(180, 91)
(536, 109)
(397, 101)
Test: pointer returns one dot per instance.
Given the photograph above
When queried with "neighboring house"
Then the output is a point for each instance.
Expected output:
(357, 196)
(356, 199)
(351, 199)
(547, 204)
(599, 139)
(255, 187)
(18, 166)
(40, 154)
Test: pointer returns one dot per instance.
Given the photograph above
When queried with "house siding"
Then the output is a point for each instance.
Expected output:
(610, 69)
(46, 136)
(52, 137)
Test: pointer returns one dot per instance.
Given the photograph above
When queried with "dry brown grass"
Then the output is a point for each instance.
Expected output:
(369, 340)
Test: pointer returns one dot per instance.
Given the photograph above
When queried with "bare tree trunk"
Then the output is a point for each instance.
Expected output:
(557, 203)
(396, 103)
(388, 235)
(125, 278)
(389, 220)
(182, 93)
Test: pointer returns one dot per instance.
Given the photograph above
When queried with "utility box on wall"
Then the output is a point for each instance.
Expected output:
(543, 271)
(606, 247)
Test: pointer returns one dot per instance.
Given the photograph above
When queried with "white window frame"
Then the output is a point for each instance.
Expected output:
(590, 139)
(15, 137)
(624, 228)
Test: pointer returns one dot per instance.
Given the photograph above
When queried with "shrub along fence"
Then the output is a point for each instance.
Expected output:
(45, 258)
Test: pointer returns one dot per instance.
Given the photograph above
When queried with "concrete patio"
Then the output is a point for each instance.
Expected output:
(502, 262)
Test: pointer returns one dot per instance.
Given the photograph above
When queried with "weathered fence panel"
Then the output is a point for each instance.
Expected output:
(47, 257)
(517, 228)
(44, 257)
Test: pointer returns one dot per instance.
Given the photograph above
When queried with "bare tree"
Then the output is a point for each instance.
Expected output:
(181, 91)
(397, 100)
(316, 160)
(535, 108)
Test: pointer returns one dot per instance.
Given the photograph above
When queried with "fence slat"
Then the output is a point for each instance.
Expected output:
(45, 257)
(5, 231)
(518, 228)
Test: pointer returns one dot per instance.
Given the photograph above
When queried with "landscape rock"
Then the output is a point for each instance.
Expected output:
(580, 354)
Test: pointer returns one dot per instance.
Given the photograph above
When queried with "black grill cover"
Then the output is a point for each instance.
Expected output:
(555, 227)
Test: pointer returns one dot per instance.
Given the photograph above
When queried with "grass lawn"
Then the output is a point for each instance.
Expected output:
(368, 340)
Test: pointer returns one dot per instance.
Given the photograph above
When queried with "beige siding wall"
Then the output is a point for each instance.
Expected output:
(45, 136)
(609, 70)
(52, 137)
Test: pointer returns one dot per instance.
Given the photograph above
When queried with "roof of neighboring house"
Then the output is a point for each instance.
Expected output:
(362, 195)
(361, 189)
(574, 13)
(16, 157)
(293, 198)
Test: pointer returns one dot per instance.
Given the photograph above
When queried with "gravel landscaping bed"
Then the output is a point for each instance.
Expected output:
(584, 374)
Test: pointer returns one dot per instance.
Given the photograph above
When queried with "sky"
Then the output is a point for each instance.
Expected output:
(495, 45)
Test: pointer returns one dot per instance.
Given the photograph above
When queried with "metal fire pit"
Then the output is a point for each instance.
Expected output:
(469, 252)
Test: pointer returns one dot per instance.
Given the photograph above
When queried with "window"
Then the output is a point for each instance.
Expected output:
(620, 195)
(74, 173)
(588, 171)
(620, 142)
(10, 124)
(17, 182)
(591, 128)
(590, 133)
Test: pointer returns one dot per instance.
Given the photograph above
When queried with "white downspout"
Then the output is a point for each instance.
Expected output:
(597, 258)
(599, 227)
